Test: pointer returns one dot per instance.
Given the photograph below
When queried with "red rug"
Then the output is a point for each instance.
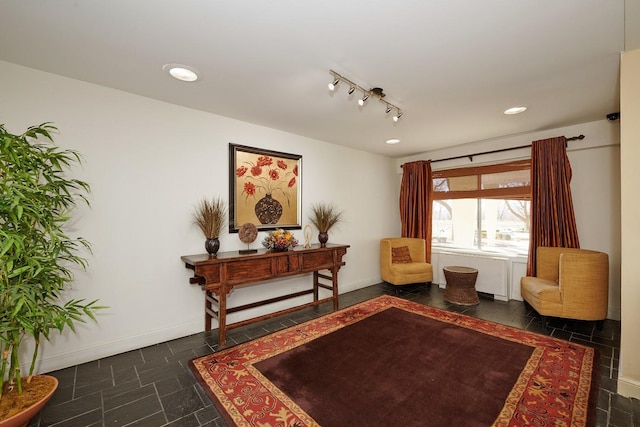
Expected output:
(389, 361)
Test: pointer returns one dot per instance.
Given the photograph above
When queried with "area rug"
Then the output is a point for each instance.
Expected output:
(389, 361)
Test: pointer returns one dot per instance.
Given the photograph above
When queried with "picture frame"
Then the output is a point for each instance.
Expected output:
(265, 188)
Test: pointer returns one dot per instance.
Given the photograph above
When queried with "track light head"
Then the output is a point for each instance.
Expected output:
(352, 89)
(397, 116)
(362, 100)
(334, 84)
(388, 109)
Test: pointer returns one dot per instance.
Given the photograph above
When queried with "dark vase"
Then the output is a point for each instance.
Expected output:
(212, 245)
(323, 237)
(268, 210)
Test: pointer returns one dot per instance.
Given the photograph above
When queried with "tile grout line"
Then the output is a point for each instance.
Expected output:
(164, 413)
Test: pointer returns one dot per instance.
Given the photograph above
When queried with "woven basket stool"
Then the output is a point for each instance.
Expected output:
(461, 285)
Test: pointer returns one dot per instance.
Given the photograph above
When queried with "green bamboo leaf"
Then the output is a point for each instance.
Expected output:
(18, 307)
(6, 244)
(38, 257)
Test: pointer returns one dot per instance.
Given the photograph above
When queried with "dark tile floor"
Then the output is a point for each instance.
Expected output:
(153, 386)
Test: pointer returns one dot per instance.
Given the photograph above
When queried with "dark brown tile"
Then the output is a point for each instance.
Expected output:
(123, 399)
(181, 403)
(157, 419)
(133, 411)
(52, 414)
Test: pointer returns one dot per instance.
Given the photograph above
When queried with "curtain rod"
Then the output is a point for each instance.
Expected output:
(471, 156)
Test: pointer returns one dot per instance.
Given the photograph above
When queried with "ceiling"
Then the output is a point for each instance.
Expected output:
(452, 66)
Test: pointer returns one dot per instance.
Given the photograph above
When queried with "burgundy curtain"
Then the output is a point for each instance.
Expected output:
(553, 221)
(415, 202)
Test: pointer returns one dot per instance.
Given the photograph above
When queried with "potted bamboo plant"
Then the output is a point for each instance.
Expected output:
(210, 217)
(324, 216)
(37, 259)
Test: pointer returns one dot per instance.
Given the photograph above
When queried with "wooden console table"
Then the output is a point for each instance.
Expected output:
(218, 275)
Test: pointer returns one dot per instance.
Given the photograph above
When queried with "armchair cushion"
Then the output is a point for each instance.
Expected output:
(400, 255)
(541, 293)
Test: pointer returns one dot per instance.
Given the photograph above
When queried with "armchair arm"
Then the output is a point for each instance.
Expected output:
(584, 284)
(385, 258)
(416, 249)
(547, 262)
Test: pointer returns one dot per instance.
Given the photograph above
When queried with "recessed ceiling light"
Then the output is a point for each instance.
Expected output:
(181, 72)
(515, 110)
(393, 141)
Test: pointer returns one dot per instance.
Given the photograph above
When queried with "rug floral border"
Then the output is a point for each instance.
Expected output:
(558, 371)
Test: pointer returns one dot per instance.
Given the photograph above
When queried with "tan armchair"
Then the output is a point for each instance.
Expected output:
(570, 283)
(410, 264)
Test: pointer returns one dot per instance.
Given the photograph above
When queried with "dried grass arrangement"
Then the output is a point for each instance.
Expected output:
(210, 217)
(324, 216)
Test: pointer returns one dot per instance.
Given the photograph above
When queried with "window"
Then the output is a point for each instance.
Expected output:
(483, 208)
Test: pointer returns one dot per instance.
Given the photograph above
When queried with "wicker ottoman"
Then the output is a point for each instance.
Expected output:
(461, 285)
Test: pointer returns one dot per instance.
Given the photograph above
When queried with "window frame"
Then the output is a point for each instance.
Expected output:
(520, 192)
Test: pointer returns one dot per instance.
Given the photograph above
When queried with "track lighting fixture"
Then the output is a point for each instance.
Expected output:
(376, 92)
(362, 100)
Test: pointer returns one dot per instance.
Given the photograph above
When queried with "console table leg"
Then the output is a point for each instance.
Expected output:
(207, 311)
(315, 286)
(222, 319)
(334, 280)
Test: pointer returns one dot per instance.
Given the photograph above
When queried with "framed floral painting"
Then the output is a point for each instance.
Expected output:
(264, 188)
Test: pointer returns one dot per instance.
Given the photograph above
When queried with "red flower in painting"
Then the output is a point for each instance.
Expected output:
(249, 188)
(264, 161)
(256, 171)
(241, 171)
(268, 176)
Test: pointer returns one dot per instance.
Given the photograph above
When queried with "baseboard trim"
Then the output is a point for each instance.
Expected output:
(629, 387)
(54, 362)
(90, 353)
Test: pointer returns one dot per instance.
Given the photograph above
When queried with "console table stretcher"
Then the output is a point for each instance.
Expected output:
(218, 275)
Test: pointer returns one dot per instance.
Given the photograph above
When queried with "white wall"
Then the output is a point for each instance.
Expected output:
(595, 186)
(629, 377)
(149, 163)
